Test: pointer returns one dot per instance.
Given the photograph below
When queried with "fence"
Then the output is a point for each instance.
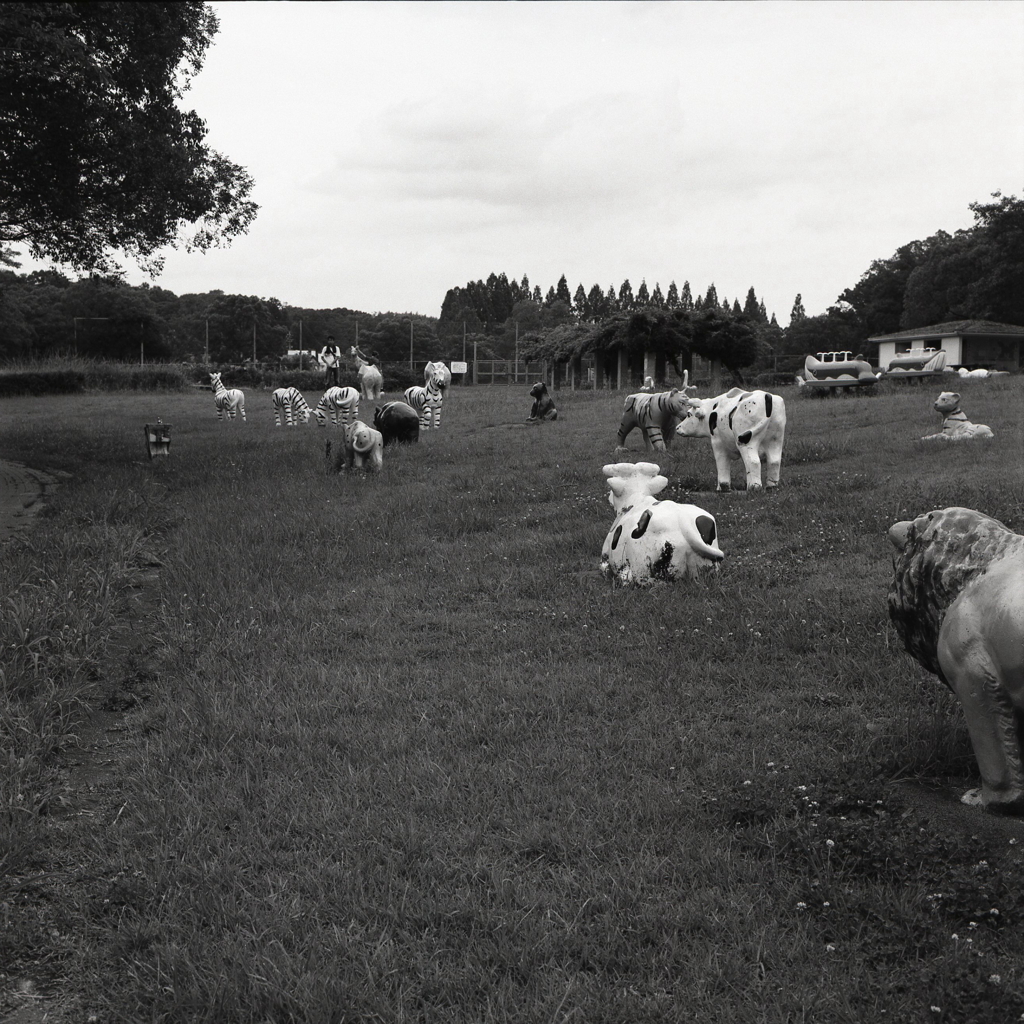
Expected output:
(506, 371)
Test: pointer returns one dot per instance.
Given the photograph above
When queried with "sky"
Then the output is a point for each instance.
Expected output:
(401, 149)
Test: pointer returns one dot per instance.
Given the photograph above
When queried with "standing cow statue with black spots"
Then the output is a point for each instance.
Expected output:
(654, 540)
(742, 425)
(543, 404)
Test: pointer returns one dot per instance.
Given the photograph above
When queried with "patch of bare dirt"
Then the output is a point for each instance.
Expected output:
(22, 495)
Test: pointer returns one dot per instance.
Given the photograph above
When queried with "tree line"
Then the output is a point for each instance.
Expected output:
(46, 313)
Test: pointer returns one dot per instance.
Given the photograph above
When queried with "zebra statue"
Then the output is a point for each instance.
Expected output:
(427, 401)
(227, 400)
(341, 404)
(371, 380)
(290, 402)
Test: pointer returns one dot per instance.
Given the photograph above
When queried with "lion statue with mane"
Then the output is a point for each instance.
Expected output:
(957, 602)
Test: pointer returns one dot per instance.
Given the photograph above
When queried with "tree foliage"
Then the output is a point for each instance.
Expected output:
(96, 157)
(975, 274)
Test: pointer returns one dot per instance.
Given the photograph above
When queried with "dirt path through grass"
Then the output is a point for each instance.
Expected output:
(22, 491)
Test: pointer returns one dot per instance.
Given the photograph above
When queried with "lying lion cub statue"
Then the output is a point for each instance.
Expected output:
(957, 601)
(955, 424)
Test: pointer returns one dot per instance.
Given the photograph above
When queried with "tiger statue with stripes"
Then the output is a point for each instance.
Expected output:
(656, 415)
(290, 403)
(227, 400)
(427, 401)
(341, 404)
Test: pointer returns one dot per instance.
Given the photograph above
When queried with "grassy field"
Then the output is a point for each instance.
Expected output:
(394, 750)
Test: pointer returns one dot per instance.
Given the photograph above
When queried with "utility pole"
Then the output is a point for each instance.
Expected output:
(475, 378)
(300, 345)
(142, 343)
(464, 341)
(207, 342)
(410, 344)
(516, 377)
(254, 344)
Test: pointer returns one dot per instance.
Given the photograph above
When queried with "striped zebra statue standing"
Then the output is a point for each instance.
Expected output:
(427, 401)
(227, 400)
(290, 402)
(341, 404)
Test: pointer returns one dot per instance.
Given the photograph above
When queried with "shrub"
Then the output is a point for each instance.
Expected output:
(44, 382)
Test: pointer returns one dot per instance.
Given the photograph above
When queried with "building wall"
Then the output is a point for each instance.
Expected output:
(993, 352)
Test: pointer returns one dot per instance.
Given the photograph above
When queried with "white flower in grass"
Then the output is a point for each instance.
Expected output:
(801, 905)
(994, 979)
(936, 1009)
(830, 948)
(829, 843)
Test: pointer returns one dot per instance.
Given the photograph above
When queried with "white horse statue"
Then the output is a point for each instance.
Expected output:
(371, 380)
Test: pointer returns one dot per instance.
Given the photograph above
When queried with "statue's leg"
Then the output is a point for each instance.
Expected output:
(968, 666)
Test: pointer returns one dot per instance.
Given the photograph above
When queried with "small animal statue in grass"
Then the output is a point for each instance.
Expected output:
(543, 404)
(341, 405)
(648, 385)
(371, 380)
(957, 602)
(397, 422)
(654, 540)
(363, 447)
(955, 424)
(227, 400)
(291, 406)
(428, 401)
(656, 415)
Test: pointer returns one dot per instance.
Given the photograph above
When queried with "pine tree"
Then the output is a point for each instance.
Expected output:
(672, 299)
(538, 296)
(579, 303)
(611, 300)
(762, 313)
(562, 291)
(596, 302)
(736, 311)
(750, 307)
(798, 313)
(524, 287)
(643, 296)
(685, 298)
(550, 297)
(626, 300)
(711, 298)
(657, 299)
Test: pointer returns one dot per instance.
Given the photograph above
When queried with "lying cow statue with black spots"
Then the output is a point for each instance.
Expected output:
(653, 540)
(957, 602)
(543, 405)
(955, 424)
(745, 425)
(362, 448)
